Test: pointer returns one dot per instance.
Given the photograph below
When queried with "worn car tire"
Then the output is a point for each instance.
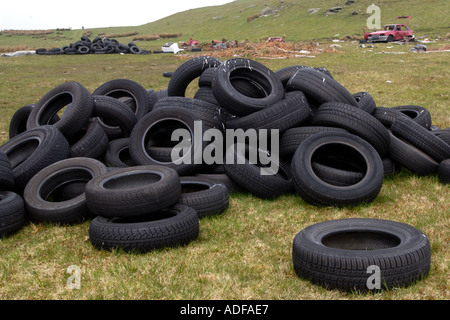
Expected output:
(110, 111)
(257, 75)
(206, 197)
(356, 121)
(12, 213)
(120, 88)
(249, 175)
(41, 193)
(342, 254)
(344, 151)
(156, 128)
(422, 138)
(33, 150)
(118, 153)
(411, 157)
(78, 103)
(187, 72)
(133, 191)
(171, 227)
(443, 171)
(319, 87)
(91, 142)
(6, 173)
(289, 112)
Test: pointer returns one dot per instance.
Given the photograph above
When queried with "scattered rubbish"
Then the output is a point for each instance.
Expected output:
(419, 48)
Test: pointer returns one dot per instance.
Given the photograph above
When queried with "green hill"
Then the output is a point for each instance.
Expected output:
(255, 20)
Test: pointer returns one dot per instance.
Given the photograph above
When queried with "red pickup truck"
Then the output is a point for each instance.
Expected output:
(391, 32)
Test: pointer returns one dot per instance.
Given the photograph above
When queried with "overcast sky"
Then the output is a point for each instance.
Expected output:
(51, 14)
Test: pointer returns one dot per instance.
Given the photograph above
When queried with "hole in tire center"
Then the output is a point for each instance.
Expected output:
(52, 190)
(131, 180)
(340, 156)
(160, 134)
(187, 187)
(22, 151)
(250, 83)
(361, 240)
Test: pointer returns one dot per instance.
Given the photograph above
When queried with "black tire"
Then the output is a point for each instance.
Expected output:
(18, 123)
(206, 94)
(293, 137)
(206, 78)
(12, 213)
(286, 73)
(319, 87)
(406, 128)
(135, 50)
(410, 157)
(206, 197)
(355, 120)
(72, 95)
(444, 171)
(83, 50)
(289, 112)
(386, 115)
(6, 173)
(187, 72)
(419, 114)
(91, 142)
(118, 154)
(212, 116)
(336, 176)
(340, 254)
(171, 227)
(158, 126)
(33, 150)
(42, 193)
(221, 178)
(249, 176)
(119, 88)
(365, 101)
(258, 76)
(112, 110)
(133, 191)
(343, 151)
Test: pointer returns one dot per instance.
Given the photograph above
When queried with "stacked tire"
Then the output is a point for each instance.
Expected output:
(133, 161)
(95, 46)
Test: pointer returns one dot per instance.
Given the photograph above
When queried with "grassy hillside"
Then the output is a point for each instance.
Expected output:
(240, 20)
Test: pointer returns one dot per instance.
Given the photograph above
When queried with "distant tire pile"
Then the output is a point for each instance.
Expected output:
(109, 156)
(96, 46)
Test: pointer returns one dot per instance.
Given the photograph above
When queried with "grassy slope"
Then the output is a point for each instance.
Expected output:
(293, 22)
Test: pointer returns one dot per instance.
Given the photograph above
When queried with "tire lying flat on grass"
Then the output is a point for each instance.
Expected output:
(337, 254)
(174, 226)
(133, 191)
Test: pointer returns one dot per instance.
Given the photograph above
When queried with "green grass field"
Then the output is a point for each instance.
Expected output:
(245, 253)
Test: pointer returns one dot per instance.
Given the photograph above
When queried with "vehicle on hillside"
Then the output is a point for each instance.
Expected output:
(391, 32)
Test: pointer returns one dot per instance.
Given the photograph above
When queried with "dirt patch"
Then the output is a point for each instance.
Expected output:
(266, 50)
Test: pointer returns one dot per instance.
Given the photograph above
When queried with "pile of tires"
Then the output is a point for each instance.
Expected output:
(111, 156)
(96, 46)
